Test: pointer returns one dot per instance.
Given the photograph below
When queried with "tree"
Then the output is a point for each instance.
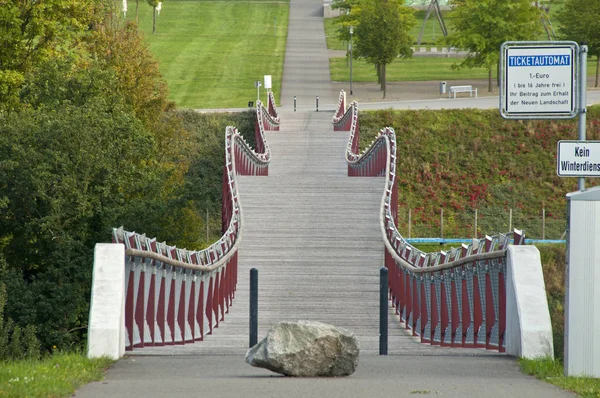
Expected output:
(481, 26)
(382, 34)
(579, 22)
(121, 47)
(349, 11)
(34, 31)
(154, 4)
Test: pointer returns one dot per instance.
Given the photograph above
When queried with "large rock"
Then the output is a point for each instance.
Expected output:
(306, 349)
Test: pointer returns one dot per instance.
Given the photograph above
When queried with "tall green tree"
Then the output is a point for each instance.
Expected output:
(382, 34)
(349, 11)
(481, 26)
(154, 4)
(34, 31)
(579, 21)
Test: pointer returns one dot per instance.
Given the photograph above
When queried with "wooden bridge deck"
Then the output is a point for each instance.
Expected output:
(313, 233)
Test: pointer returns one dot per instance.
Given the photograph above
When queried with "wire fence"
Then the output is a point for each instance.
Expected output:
(476, 223)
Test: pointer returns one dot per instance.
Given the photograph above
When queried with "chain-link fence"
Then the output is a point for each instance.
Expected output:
(476, 223)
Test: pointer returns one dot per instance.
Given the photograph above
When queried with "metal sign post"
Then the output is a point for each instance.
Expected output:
(582, 101)
(257, 84)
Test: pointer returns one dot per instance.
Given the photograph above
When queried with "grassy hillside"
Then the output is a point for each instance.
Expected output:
(462, 160)
(212, 52)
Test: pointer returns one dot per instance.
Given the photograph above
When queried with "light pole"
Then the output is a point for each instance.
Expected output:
(351, 32)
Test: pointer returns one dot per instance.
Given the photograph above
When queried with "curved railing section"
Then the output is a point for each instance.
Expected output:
(272, 109)
(177, 296)
(343, 118)
(451, 298)
(266, 120)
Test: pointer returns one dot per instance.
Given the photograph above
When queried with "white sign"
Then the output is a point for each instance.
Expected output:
(268, 82)
(578, 159)
(539, 80)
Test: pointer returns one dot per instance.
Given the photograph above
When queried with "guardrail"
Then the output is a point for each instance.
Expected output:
(455, 298)
(266, 120)
(171, 295)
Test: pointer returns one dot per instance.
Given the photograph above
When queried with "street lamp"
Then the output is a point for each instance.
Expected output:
(351, 32)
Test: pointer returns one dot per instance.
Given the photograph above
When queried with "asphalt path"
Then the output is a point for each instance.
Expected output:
(376, 376)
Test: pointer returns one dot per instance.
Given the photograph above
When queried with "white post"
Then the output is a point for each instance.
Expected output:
(543, 224)
(207, 237)
(583, 49)
(510, 219)
(442, 223)
(351, 32)
(106, 327)
(409, 222)
(475, 236)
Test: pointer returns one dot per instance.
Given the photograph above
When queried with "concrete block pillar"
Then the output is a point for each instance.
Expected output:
(528, 327)
(106, 327)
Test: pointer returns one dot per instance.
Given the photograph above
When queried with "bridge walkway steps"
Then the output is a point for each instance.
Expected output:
(313, 233)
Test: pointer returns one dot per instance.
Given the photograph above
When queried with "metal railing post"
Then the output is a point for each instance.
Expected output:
(253, 307)
(475, 235)
(409, 222)
(544, 223)
(442, 223)
(383, 311)
(294, 103)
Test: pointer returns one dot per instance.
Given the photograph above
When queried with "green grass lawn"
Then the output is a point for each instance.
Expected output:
(414, 69)
(551, 371)
(212, 52)
(333, 43)
(56, 376)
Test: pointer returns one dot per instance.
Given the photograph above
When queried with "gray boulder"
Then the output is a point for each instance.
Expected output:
(306, 349)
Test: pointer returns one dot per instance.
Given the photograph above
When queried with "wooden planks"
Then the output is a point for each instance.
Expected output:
(313, 233)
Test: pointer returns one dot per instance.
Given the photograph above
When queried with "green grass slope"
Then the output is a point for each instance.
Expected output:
(212, 52)
(462, 160)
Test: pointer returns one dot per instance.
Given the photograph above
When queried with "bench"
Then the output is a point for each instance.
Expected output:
(462, 89)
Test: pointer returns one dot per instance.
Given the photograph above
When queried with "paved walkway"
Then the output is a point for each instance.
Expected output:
(391, 376)
(306, 65)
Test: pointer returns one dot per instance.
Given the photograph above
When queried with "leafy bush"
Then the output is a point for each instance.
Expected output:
(462, 160)
(553, 265)
(15, 343)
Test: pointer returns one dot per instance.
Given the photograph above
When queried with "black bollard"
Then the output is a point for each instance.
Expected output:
(253, 307)
(383, 311)
(317, 103)
(294, 103)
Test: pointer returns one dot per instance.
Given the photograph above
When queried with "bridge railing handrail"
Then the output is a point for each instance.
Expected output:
(418, 261)
(343, 118)
(219, 253)
(459, 297)
(272, 108)
(340, 110)
(266, 121)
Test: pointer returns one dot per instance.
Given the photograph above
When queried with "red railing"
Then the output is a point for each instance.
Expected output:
(450, 298)
(266, 120)
(177, 296)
